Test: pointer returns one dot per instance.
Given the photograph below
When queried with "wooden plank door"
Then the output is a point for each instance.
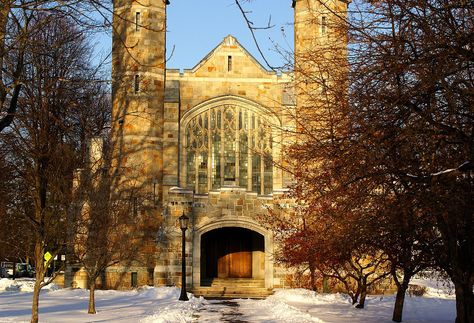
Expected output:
(223, 256)
(241, 264)
(223, 265)
(240, 255)
(234, 254)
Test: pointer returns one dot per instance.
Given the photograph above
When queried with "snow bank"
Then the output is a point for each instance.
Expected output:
(158, 293)
(23, 285)
(169, 309)
(435, 288)
(67, 305)
(308, 296)
(277, 306)
(338, 307)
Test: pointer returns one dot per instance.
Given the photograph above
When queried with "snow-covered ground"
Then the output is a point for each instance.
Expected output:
(150, 305)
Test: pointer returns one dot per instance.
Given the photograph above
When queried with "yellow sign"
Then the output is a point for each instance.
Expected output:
(47, 257)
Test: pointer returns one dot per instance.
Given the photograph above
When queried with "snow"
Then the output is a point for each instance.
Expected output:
(338, 308)
(161, 305)
(22, 285)
(174, 311)
(435, 288)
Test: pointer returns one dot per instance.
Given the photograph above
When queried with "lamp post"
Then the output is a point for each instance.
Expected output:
(183, 223)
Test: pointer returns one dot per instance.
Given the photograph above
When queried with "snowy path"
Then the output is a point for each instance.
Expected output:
(161, 305)
(220, 311)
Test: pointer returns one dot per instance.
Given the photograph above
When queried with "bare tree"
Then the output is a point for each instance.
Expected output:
(398, 157)
(43, 141)
(412, 97)
(106, 219)
(15, 28)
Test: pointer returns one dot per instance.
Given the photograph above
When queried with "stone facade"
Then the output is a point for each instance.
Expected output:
(153, 109)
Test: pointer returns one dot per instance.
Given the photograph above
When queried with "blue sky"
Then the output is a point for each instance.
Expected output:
(195, 27)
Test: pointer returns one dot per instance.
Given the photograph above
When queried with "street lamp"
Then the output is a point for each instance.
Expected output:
(183, 223)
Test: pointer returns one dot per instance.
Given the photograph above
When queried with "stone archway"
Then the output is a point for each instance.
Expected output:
(232, 252)
(245, 250)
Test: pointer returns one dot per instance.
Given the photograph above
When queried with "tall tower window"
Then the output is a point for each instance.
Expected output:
(137, 84)
(324, 26)
(137, 21)
(229, 63)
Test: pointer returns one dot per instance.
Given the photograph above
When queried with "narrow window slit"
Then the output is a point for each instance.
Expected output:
(229, 63)
(137, 83)
(137, 21)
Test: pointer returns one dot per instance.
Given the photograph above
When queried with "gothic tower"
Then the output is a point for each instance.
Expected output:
(320, 50)
(138, 73)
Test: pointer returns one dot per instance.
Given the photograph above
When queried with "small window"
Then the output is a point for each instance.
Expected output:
(134, 280)
(229, 63)
(137, 83)
(137, 21)
(323, 25)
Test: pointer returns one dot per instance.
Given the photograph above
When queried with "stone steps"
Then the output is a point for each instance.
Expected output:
(232, 292)
(230, 282)
(233, 288)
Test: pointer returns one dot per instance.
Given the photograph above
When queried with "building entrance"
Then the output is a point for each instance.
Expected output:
(232, 253)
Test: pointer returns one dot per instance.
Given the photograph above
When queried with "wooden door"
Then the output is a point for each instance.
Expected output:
(223, 266)
(241, 264)
(235, 254)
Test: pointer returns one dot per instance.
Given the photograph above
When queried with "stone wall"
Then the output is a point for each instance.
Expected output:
(116, 277)
(168, 263)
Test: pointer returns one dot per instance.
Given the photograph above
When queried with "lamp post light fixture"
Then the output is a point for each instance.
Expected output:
(183, 223)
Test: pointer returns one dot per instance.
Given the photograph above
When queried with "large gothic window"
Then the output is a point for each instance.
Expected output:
(229, 145)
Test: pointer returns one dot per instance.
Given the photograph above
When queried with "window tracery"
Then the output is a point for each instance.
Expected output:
(229, 145)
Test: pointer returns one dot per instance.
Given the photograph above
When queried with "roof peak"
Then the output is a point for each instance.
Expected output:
(229, 40)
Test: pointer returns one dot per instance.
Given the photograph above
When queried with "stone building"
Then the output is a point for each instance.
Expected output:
(207, 142)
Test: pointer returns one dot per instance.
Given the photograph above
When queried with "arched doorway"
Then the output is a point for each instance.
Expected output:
(232, 252)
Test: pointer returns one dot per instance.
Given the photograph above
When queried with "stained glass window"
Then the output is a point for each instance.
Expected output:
(229, 145)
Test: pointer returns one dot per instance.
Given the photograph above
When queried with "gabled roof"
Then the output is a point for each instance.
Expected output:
(230, 42)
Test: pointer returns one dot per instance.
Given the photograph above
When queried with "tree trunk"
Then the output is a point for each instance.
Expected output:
(35, 305)
(39, 260)
(400, 298)
(91, 297)
(363, 294)
(354, 295)
(354, 298)
(464, 302)
(325, 284)
(312, 271)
